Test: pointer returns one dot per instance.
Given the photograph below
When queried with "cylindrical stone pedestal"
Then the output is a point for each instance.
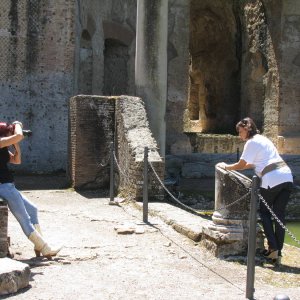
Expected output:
(227, 234)
(3, 229)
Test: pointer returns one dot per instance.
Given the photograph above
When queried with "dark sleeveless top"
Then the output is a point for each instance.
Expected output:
(5, 175)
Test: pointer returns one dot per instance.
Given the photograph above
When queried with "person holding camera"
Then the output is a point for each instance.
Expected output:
(276, 182)
(24, 211)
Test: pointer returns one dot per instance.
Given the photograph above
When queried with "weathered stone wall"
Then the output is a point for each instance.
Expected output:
(289, 65)
(92, 123)
(50, 51)
(260, 94)
(36, 76)
(3, 229)
(178, 76)
(133, 135)
(92, 130)
(105, 47)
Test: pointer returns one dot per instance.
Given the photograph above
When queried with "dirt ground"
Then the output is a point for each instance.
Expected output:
(154, 262)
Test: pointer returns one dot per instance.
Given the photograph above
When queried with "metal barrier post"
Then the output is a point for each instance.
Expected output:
(252, 239)
(112, 179)
(145, 186)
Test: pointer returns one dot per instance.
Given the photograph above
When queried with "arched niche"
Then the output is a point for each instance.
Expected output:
(115, 68)
(118, 40)
(214, 71)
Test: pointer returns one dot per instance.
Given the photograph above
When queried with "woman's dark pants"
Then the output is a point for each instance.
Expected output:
(277, 198)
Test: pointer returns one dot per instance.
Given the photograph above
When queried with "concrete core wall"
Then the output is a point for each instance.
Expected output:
(133, 135)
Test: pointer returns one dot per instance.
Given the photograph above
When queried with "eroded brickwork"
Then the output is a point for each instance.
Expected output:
(3, 229)
(91, 132)
(93, 128)
(133, 135)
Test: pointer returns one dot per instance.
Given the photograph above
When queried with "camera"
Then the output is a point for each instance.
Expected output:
(27, 132)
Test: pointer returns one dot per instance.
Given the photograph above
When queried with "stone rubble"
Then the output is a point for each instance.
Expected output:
(14, 275)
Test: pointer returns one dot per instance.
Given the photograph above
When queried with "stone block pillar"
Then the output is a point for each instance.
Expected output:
(3, 229)
(227, 234)
(151, 64)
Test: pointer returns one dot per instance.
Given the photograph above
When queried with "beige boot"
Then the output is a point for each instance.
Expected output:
(38, 228)
(42, 246)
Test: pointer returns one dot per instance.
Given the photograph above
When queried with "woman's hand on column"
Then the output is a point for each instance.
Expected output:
(221, 165)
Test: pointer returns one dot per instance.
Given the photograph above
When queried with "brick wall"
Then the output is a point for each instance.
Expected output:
(92, 129)
(91, 132)
(37, 48)
(3, 229)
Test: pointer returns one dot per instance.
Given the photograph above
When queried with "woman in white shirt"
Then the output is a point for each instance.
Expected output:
(276, 181)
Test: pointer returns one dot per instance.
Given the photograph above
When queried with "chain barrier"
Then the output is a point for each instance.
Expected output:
(119, 168)
(277, 220)
(172, 196)
(234, 202)
(188, 207)
(240, 199)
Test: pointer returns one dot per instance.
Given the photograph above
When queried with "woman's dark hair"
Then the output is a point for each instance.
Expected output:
(249, 124)
(6, 129)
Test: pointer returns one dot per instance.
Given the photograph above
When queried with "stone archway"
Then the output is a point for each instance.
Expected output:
(118, 40)
(214, 89)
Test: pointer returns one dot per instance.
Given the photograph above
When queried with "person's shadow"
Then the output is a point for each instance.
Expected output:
(282, 268)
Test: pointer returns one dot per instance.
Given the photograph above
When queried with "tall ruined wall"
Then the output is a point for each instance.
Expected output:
(105, 47)
(260, 94)
(270, 69)
(50, 51)
(36, 76)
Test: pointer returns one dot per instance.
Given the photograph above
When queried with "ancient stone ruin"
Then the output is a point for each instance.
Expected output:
(218, 61)
(227, 235)
(95, 123)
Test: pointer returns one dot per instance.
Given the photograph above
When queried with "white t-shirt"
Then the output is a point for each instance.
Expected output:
(261, 152)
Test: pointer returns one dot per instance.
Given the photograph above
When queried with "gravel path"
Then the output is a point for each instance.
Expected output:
(153, 262)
